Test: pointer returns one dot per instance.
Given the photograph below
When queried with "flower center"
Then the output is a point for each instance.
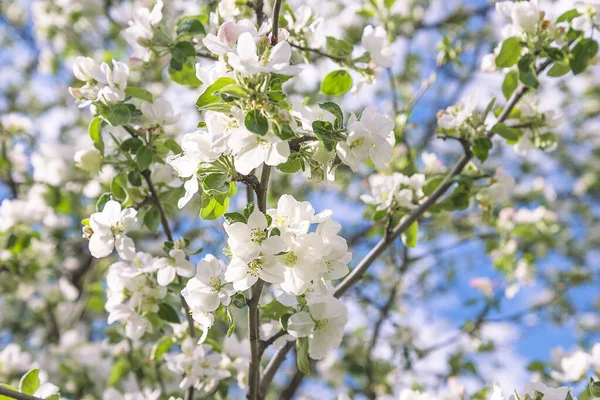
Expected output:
(117, 228)
(290, 259)
(281, 220)
(262, 142)
(258, 235)
(321, 324)
(357, 142)
(255, 266)
(216, 283)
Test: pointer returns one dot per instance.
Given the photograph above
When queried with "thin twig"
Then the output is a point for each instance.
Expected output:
(275, 30)
(16, 395)
(317, 51)
(189, 395)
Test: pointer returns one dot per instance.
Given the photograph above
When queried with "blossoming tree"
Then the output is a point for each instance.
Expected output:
(157, 235)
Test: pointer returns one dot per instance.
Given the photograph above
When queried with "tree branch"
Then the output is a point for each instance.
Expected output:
(189, 395)
(16, 395)
(382, 245)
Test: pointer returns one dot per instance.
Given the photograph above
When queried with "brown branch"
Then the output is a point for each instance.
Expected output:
(357, 273)
(16, 395)
(189, 395)
(317, 51)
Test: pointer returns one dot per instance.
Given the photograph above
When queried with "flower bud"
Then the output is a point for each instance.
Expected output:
(88, 160)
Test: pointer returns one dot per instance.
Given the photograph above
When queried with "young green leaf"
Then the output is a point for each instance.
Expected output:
(510, 134)
(184, 73)
(582, 55)
(256, 122)
(510, 52)
(30, 382)
(138, 93)
(481, 148)
(95, 131)
(302, 355)
(168, 313)
(190, 26)
(336, 83)
(143, 156)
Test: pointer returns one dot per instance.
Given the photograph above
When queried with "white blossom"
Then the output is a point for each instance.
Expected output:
(323, 324)
(376, 42)
(176, 264)
(208, 289)
(110, 228)
(160, 112)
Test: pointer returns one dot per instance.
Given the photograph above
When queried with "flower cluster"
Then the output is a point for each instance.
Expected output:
(396, 191)
(102, 83)
(133, 292)
(281, 250)
(200, 366)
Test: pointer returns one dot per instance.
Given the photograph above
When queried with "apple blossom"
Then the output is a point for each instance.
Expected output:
(323, 324)
(208, 289)
(160, 112)
(109, 231)
(175, 264)
(375, 41)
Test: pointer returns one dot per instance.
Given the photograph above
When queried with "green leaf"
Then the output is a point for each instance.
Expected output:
(527, 73)
(568, 16)
(152, 219)
(95, 131)
(239, 300)
(411, 235)
(102, 200)
(118, 187)
(336, 83)
(338, 47)
(160, 348)
(510, 84)
(30, 382)
(138, 93)
(168, 313)
(324, 132)
(119, 371)
(302, 355)
(211, 99)
(131, 145)
(230, 92)
(233, 217)
(292, 165)
(285, 132)
(481, 148)
(511, 135)
(582, 55)
(559, 69)
(182, 50)
(143, 156)
(190, 26)
(510, 52)
(216, 183)
(274, 310)
(336, 110)
(184, 73)
(117, 114)
(134, 177)
(594, 387)
(231, 323)
(256, 122)
(555, 53)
